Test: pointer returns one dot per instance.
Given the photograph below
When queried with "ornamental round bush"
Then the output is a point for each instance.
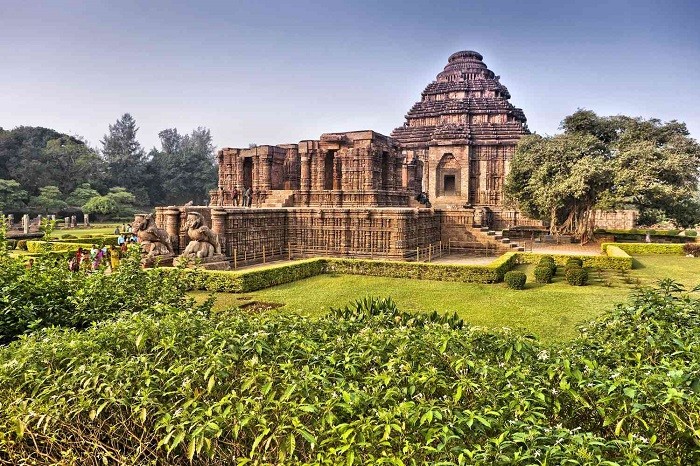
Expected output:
(515, 280)
(543, 274)
(574, 261)
(691, 233)
(68, 236)
(22, 244)
(577, 276)
(548, 261)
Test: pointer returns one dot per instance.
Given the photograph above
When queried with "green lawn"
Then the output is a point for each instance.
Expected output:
(95, 229)
(551, 312)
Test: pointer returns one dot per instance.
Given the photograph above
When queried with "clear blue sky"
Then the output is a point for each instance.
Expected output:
(275, 72)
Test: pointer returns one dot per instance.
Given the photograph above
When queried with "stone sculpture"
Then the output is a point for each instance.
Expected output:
(203, 242)
(154, 241)
(204, 248)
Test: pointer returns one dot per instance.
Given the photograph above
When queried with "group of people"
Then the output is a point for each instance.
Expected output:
(91, 259)
(244, 198)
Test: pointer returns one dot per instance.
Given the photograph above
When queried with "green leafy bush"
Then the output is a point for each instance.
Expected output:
(691, 233)
(576, 276)
(515, 280)
(11, 244)
(22, 244)
(543, 274)
(692, 249)
(48, 294)
(368, 384)
(68, 236)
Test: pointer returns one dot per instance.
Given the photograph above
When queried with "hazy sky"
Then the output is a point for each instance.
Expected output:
(275, 72)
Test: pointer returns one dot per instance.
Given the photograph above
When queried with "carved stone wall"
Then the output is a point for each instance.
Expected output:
(357, 168)
(356, 232)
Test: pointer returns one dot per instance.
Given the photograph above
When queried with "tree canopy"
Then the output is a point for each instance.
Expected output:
(42, 165)
(607, 162)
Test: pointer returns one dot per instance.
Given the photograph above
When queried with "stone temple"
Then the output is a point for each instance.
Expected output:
(354, 193)
(464, 131)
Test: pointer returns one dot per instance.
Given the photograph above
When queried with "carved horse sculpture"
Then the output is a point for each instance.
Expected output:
(152, 238)
(204, 243)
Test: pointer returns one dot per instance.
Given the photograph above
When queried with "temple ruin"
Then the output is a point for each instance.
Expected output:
(357, 193)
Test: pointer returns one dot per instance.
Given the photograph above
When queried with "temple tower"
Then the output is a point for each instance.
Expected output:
(464, 130)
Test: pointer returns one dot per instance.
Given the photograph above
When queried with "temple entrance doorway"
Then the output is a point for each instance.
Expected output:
(328, 170)
(448, 176)
(449, 185)
(247, 173)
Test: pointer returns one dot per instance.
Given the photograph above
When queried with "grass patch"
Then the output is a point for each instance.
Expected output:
(551, 312)
(95, 229)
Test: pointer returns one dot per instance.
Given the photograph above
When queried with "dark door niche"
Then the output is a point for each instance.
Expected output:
(328, 169)
(449, 185)
(247, 173)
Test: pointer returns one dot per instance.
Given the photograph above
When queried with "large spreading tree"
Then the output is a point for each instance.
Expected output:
(606, 163)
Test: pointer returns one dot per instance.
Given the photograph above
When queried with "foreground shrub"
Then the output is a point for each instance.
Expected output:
(692, 248)
(364, 385)
(515, 280)
(48, 294)
(576, 276)
(543, 274)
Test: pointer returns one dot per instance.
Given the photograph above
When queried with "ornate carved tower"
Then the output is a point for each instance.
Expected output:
(464, 130)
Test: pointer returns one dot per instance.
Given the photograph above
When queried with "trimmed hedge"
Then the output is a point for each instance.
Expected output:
(56, 246)
(241, 282)
(614, 262)
(491, 273)
(646, 248)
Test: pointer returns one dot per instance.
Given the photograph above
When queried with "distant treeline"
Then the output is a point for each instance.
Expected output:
(43, 171)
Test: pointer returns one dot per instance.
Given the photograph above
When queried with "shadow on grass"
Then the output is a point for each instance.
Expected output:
(637, 265)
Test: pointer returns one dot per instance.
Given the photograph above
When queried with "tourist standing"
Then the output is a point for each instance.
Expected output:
(234, 195)
(114, 256)
(247, 195)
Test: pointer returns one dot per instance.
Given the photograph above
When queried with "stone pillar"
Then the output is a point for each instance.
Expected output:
(305, 172)
(66, 222)
(265, 181)
(218, 227)
(172, 227)
(86, 220)
(239, 174)
(10, 221)
(25, 223)
(368, 173)
(256, 173)
(73, 221)
(53, 217)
